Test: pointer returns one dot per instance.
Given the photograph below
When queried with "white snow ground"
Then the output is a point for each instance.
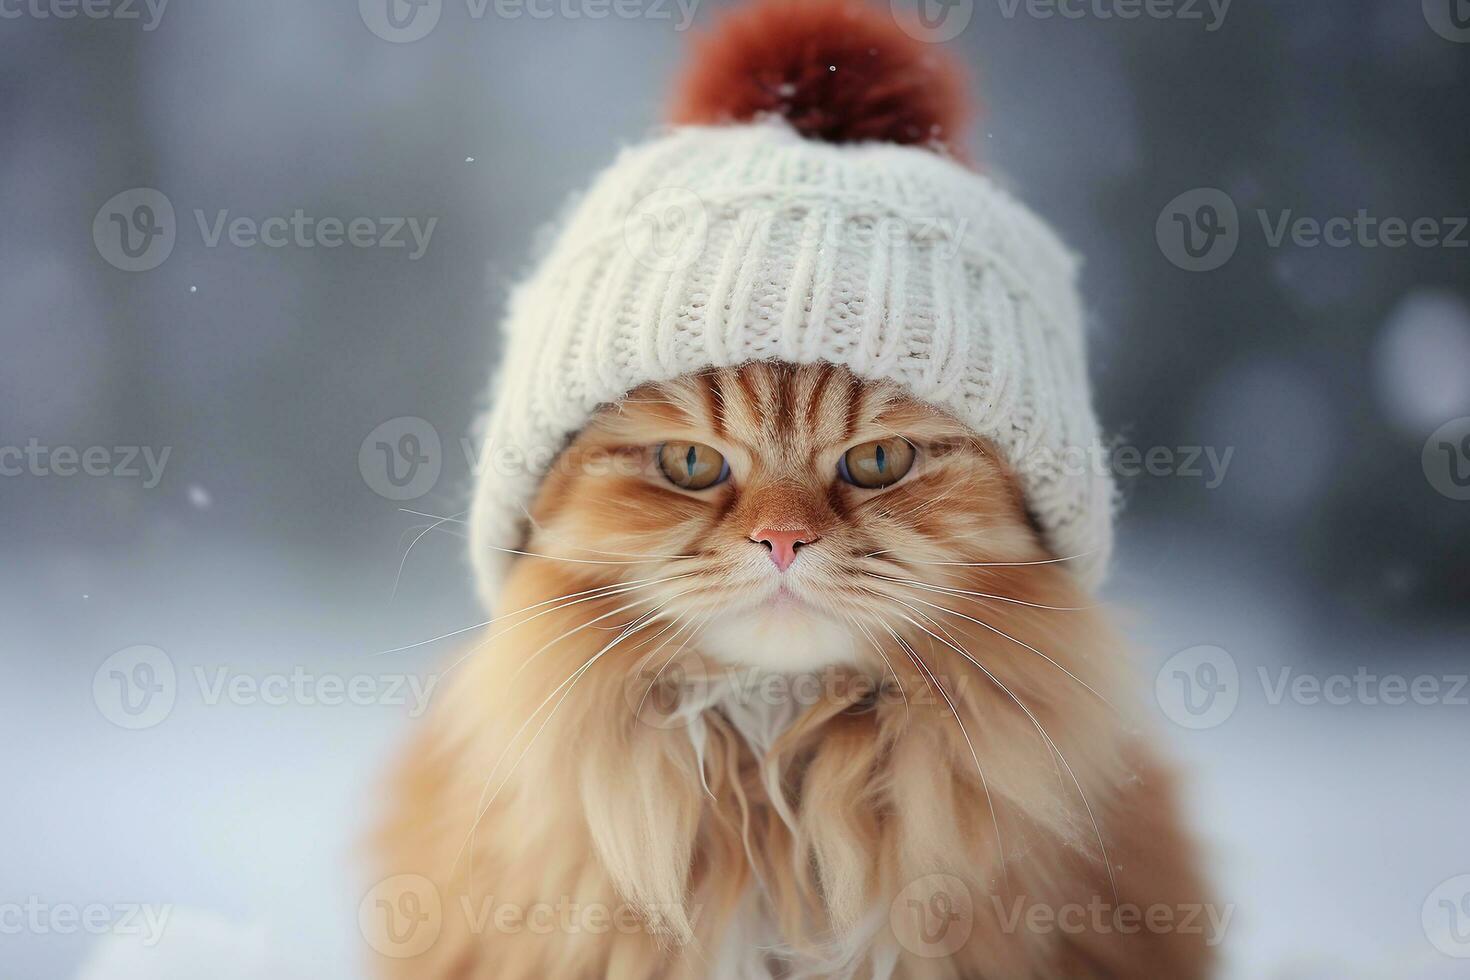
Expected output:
(1331, 825)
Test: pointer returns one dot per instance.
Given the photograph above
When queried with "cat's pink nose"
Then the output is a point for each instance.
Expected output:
(783, 544)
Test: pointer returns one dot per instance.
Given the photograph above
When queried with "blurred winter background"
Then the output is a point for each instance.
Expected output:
(263, 554)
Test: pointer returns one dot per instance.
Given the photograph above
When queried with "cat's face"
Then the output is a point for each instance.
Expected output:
(779, 510)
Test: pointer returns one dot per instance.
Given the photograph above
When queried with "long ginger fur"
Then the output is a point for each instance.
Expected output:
(615, 745)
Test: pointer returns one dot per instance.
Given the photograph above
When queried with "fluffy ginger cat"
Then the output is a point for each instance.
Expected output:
(794, 670)
(957, 740)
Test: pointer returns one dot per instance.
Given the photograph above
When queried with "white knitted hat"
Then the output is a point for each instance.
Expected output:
(717, 245)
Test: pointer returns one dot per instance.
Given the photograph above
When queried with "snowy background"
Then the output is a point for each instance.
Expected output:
(265, 552)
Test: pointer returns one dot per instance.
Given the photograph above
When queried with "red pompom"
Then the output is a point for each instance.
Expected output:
(838, 70)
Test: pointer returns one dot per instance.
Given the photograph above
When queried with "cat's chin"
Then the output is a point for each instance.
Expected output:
(780, 636)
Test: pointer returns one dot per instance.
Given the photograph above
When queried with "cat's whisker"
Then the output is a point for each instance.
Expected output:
(1096, 827)
(583, 561)
(568, 684)
(673, 624)
(907, 709)
(926, 617)
(455, 519)
(481, 806)
(524, 664)
(1023, 643)
(649, 401)
(946, 590)
(541, 529)
(982, 564)
(984, 784)
(638, 559)
(633, 627)
(643, 660)
(510, 742)
(927, 505)
(409, 550)
(654, 683)
(549, 644)
(614, 589)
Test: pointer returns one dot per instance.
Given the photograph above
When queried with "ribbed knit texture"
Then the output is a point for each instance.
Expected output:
(715, 246)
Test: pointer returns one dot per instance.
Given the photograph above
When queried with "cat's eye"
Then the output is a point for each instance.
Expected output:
(692, 465)
(878, 464)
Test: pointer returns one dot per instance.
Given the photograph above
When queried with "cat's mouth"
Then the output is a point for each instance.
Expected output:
(790, 596)
(782, 627)
(786, 598)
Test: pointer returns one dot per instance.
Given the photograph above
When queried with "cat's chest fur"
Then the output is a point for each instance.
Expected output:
(759, 707)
